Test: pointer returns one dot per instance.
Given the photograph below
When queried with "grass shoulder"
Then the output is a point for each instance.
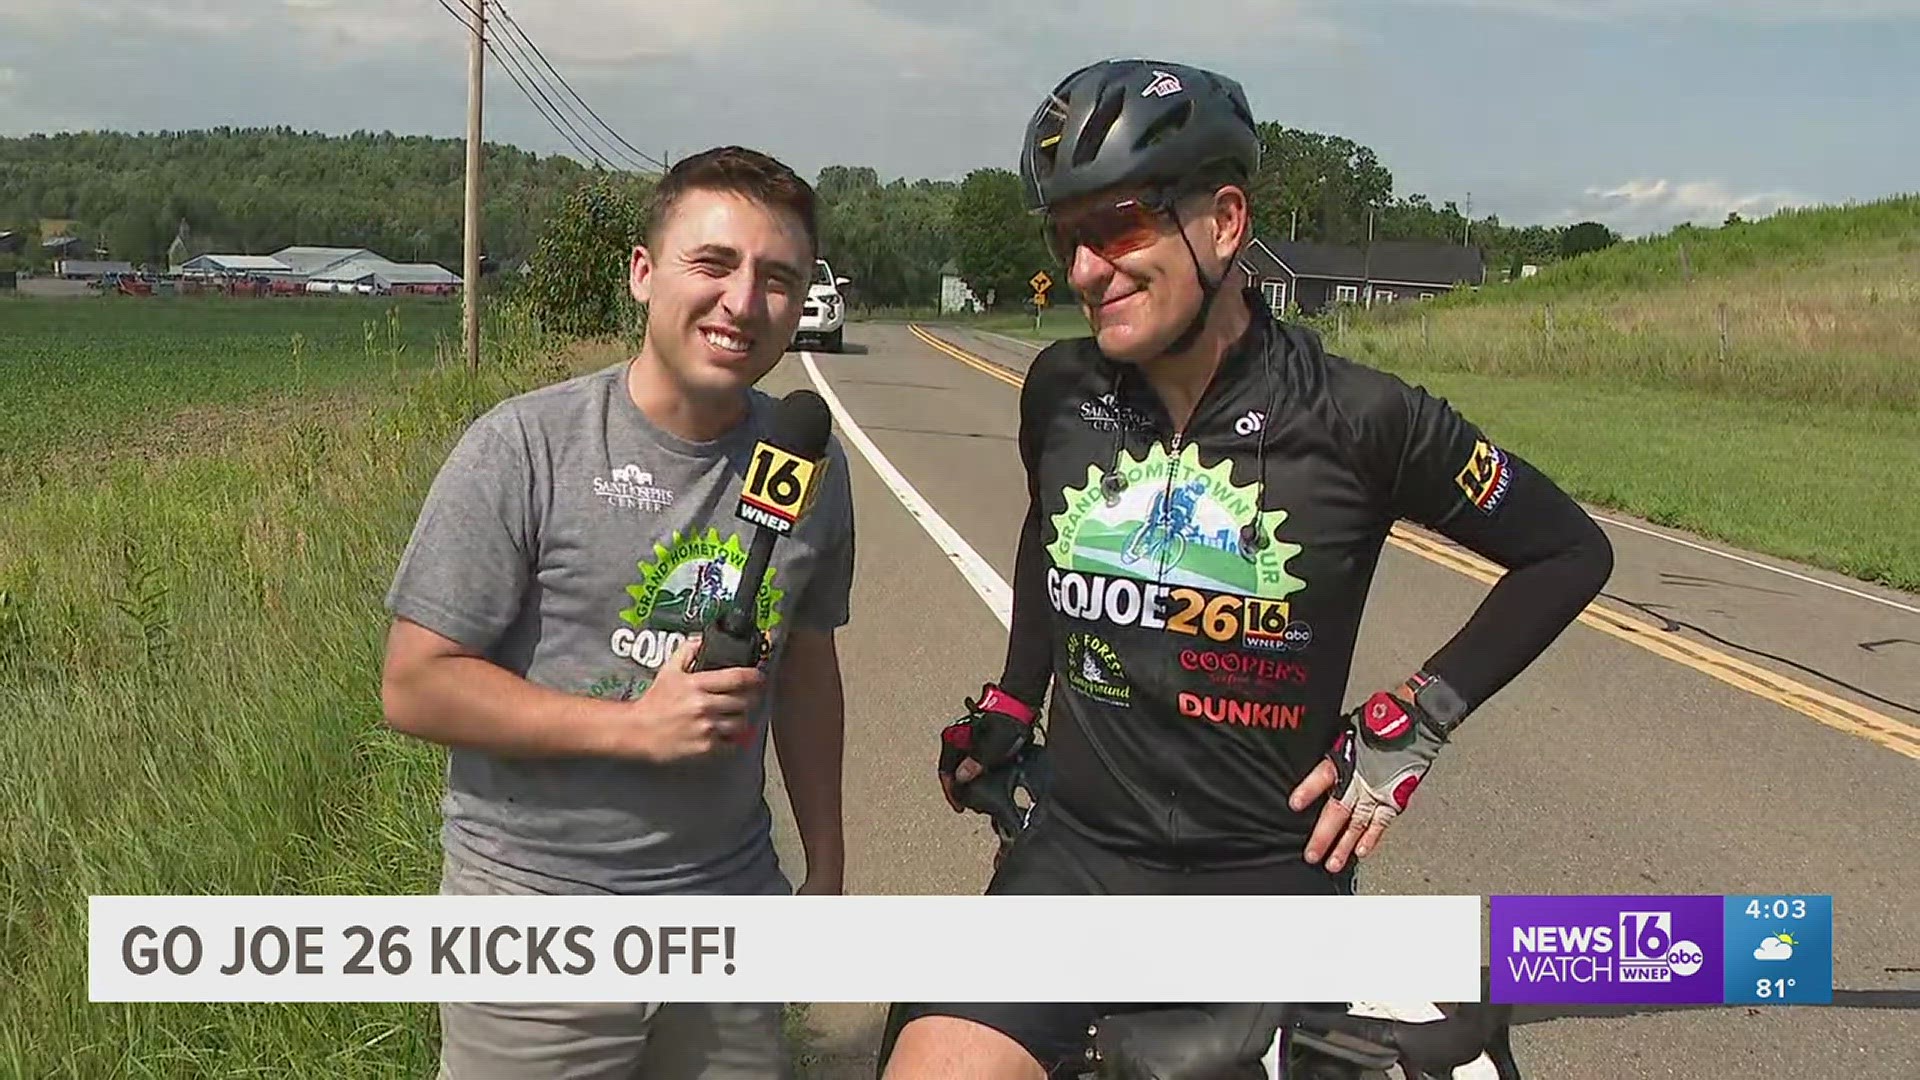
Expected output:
(1823, 485)
(189, 657)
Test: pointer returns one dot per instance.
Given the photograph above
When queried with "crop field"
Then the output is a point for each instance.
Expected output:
(84, 374)
(190, 651)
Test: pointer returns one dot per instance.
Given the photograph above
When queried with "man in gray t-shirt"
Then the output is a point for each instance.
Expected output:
(547, 608)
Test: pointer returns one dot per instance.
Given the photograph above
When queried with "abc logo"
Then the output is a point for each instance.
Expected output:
(1297, 635)
(1685, 958)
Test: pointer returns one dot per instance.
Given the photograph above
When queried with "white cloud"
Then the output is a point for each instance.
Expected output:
(1757, 11)
(1773, 949)
(1639, 207)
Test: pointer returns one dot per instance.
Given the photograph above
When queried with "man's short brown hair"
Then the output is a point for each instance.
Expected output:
(749, 174)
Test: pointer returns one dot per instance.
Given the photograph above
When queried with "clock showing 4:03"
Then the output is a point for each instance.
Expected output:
(1779, 950)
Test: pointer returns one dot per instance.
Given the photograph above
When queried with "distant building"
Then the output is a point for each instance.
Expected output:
(422, 278)
(955, 293)
(211, 265)
(12, 242)
(370, 274)
(1314, 276)
(326, 270)
(65, 247)
(90, 269)
(310, 262)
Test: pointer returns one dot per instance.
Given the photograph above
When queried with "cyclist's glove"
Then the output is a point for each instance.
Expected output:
(1389, 745)
(994, 732)
(1198, 1042)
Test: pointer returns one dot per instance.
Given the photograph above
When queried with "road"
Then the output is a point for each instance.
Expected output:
(1718, 722)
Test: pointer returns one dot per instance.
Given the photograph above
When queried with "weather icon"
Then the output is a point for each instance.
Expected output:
(1778, 947)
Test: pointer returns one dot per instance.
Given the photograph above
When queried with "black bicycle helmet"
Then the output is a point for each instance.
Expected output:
(1132, 121)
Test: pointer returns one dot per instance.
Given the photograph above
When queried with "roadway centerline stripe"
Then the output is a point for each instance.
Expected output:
(985, 367)
(979, 574)
(1834, 712)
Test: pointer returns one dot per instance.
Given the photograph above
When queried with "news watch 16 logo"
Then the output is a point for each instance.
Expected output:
(1565, 950)
(1648, 951)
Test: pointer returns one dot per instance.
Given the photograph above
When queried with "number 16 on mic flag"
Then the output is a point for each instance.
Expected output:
(783, 479)
(785, 473)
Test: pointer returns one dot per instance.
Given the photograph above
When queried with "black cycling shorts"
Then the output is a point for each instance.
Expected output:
(1050, 859)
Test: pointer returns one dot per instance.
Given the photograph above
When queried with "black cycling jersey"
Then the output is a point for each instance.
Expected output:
(1197, 679)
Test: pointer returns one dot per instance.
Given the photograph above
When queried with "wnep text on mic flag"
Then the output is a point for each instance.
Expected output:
(782, 948)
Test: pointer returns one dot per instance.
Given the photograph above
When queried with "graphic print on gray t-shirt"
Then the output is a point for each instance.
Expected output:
(576, 543)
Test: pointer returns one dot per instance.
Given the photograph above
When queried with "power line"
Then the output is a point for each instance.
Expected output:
(632, 154)
(514, 26)
(617, 158)
(562, 126)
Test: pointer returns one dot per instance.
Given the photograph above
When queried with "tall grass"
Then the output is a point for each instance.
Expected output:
(1791, 239)
(1819, 308)
(1846, 335)
(1764, 391)
(189, 671)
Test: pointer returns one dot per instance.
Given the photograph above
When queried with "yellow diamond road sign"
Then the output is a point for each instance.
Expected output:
(1040, 282)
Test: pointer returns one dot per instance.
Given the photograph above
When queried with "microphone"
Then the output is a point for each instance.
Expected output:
(782, 482)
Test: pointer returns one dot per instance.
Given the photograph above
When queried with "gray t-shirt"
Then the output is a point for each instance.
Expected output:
(576, 543)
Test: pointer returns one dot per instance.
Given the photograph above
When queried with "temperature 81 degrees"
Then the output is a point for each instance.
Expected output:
(1779, 950)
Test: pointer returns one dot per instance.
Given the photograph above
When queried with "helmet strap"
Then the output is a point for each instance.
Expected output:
(1208, 290)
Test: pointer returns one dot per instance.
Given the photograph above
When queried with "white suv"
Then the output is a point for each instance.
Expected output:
(824, 319)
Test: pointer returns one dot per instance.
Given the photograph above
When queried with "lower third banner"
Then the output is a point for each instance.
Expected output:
(777, 949)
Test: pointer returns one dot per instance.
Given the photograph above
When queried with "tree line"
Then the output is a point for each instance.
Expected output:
(255, 190)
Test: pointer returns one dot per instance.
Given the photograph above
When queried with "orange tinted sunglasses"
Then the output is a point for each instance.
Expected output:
(1109, 230)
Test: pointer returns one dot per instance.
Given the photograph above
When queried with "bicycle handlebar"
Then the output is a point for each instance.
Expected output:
(1227, 1042)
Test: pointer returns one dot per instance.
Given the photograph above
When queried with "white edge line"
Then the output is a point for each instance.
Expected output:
(1754, 563)
(1027, 346)
(984, 579)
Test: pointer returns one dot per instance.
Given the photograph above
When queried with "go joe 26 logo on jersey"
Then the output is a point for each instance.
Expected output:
(1165, 555)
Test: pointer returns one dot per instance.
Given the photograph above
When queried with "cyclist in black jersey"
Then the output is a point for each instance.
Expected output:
(1198, 740)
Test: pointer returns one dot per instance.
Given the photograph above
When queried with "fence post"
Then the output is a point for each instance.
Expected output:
(1723, 331)
(1549, 326)
(1426, 333)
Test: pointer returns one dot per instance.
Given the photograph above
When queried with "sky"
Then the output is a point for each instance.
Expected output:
(1638, 113)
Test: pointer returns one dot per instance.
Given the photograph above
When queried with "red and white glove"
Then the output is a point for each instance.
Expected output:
(1382, 757)
(993, 733)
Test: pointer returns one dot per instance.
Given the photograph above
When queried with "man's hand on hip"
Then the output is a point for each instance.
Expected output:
(686, 714)
(1372, 771)
(994, 731)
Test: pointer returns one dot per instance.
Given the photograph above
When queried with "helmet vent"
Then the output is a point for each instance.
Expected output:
(1166, 125)
(1113, 98)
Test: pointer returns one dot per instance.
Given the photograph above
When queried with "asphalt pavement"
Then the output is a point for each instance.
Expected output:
(1718, 722)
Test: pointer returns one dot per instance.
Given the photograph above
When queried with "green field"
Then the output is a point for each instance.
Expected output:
(1755, 384)
(96, 373)
(189, 675)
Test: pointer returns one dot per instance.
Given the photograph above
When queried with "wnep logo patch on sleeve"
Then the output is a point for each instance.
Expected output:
(1485, 477)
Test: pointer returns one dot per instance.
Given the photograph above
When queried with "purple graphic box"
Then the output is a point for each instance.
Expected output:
(1606, 950)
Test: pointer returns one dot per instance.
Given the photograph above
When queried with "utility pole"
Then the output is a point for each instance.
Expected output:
(476, 67)
(1466, 230)
(1367, 262)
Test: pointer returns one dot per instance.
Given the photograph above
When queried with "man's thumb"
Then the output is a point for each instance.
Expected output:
(682, 658)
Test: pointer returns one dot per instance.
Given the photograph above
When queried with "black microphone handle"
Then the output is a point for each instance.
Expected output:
(742, 616)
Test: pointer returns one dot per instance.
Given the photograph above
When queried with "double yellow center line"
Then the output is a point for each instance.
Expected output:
(984, 367)
(1835, 712)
